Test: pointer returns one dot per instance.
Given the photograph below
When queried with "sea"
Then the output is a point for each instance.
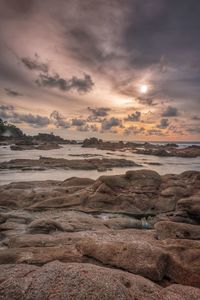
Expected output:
(167, 165)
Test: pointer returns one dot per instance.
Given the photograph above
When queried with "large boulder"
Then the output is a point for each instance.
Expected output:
(136, 257)
(61, 281)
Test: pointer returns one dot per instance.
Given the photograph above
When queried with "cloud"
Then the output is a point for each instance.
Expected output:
(82, 125)
(8, 113)
(134, 117)
(100, 111)
(35, 64)
(155, 42)
(163, 64)
(34, 120)
(78, 122)
(134, 130)
(82, 85)
(93, 127)
(58, 120)
(196, 118)
(164, 123)
(87, 127)
(170, 112)
(175, 129)
(155, 132)
(12, 93)
(107, 124)
(144, 100)
(194, 130)
(6, 107)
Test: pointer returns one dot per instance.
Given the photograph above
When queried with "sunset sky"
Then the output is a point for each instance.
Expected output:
(114, 69)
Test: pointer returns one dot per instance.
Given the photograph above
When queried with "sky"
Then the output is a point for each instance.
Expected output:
(113, 69)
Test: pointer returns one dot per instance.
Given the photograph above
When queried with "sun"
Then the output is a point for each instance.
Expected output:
(144, 88)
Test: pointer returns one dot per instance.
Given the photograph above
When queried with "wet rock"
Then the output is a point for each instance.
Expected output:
(81, 164)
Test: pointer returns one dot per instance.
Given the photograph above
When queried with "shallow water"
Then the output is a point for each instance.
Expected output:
(169, 164)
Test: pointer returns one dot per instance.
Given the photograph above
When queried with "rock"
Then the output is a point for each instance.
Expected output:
(176, 190)
(74, 281)
(138, 193)
(31, 146)
(143, 174)
(136, 257)
(75, 181)
(83, 221)
(191, 205)
(44, 226)
(122, 223)
(184, 261)
(175, 230)
(80, 164)
(40, 255)
(178, 292)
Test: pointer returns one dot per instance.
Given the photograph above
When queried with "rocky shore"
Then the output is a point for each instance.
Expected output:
(131, 236)
(42, 141)
(44, 163)
(167, 150)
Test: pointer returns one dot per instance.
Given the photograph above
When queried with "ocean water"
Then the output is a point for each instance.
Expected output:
(168, 165)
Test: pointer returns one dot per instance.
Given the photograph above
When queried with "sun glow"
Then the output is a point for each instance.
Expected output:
(144, 88)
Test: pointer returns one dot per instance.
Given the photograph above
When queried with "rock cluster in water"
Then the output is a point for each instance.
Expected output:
(168, 150)
(43, 163)
(131, 236)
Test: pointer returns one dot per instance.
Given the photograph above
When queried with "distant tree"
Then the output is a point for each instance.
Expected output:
(9, 130)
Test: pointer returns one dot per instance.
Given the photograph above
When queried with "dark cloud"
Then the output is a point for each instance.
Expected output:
(107, 124)
(8, 112)
(35, 64)
(87, 127)
(164, 123)
(100, 111)
(82, 85)
(162, 27)
(134, 117)
(146, 100)
(12, 93)
(33, 120)
(151, 41)
(58, 120)
(78, 122)
(170, 112)
(17, 6)
(85, 46)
